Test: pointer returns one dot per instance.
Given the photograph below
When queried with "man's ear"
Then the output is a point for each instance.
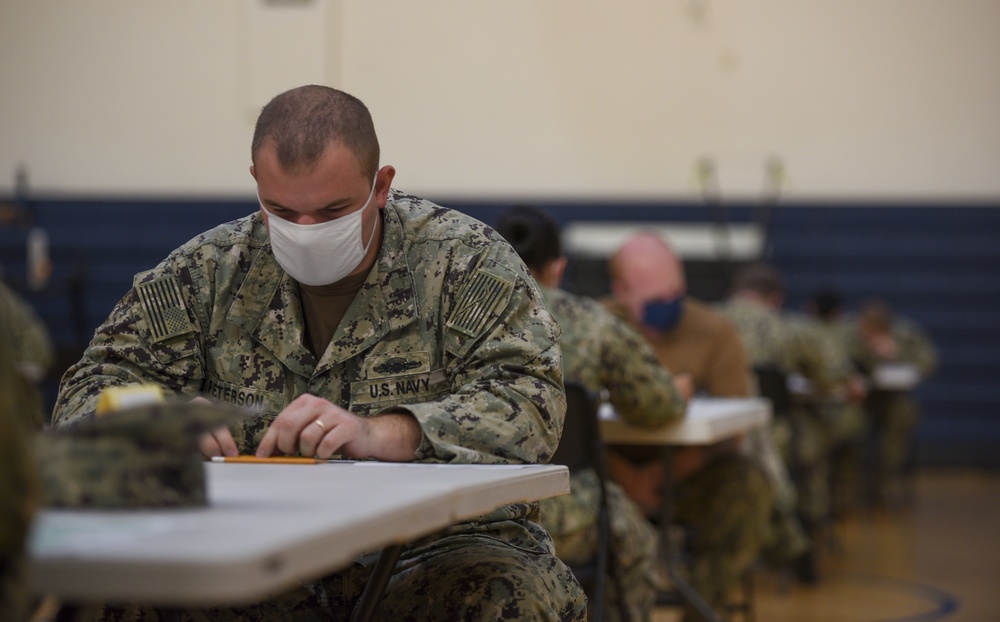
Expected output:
(557, 269)
(383, 183)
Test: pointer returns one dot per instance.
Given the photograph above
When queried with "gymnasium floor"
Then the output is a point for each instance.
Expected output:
(937, 559)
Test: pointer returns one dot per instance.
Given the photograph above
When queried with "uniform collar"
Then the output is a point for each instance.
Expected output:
(267, 305)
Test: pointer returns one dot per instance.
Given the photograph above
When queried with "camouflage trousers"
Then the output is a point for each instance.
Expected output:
(847, 428)
(894, 421)
(805, 446)
(495, 571)
(572, 521)
(726, 508)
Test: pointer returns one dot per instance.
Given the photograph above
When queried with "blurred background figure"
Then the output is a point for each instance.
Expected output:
(726, 498)
(896, 355)
(19, 417)
(605, 355)
(31, 350)
(785, 353)
(843, 412)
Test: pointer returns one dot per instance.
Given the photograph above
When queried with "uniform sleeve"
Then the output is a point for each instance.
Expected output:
(813, 358)
(151, 336)
(506, 402)
(33, 351)
(639, 387)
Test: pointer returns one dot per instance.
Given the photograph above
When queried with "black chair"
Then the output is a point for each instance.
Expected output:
(773, 384)
(580, 448)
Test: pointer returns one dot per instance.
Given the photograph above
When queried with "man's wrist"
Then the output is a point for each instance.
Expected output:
(396, 435)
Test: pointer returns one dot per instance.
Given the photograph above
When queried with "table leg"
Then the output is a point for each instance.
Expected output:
(384, 567)
(668, 546)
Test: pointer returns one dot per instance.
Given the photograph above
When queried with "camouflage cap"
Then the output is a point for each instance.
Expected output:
(144, 456)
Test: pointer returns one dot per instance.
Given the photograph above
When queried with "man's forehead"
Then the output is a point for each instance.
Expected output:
(335, 153)
(653, 275)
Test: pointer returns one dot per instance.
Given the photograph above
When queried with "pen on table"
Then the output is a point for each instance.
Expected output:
(269, 460)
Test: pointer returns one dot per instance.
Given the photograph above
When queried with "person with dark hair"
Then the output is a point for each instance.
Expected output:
(843, 414)
(365, 323)
(603, 354)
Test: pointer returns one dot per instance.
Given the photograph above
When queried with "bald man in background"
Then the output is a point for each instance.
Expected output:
(724, 495)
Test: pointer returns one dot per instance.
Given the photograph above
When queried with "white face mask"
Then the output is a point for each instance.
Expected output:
(322, 253)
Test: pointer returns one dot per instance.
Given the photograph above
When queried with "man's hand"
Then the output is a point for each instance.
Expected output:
(684, 384)
(313, 426)
(218, 442)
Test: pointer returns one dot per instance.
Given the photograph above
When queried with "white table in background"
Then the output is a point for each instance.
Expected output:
(266, 527)
(707, 421)
(895, 376)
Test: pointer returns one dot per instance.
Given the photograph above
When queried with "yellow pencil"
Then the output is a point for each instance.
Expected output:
(269, 460)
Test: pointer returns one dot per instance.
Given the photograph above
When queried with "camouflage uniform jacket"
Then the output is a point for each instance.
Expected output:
(914, 344)
(603, 353)
(790, 341)
(33, 350)
(448, 324)
(764, 336)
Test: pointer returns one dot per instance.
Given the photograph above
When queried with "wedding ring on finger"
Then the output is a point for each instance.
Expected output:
(322, 426)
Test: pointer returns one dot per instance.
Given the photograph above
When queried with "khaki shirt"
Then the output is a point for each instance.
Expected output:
(704, 344)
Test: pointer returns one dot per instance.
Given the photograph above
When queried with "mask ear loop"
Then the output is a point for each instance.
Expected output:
(371, 236)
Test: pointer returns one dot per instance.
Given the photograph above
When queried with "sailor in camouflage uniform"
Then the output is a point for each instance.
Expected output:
(790, 343)
(843, 414)
(403, 331)
(603, 354)
(880, 337)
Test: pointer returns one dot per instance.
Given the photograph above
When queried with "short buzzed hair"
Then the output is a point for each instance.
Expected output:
(303, 122)
(761, 278)
(875, 316)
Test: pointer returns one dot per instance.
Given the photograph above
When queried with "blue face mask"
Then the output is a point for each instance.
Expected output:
(663, 315)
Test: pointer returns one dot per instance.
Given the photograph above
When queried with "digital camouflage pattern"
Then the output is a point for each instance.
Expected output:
(602, 353)
(448, 326)
(18, 479)
(844, 422)
(145, 456)
(789, 343)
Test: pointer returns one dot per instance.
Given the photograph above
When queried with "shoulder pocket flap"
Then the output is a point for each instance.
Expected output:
(163, 308)
(478, 301)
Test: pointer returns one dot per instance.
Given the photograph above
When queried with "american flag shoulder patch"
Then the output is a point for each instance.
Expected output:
(163, 308)
(477, 301)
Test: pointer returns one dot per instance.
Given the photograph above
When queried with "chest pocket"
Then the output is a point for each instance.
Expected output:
(395, 379)
(258, 400)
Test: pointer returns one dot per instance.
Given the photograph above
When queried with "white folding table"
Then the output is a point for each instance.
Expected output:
(706, 421)
(265, 528)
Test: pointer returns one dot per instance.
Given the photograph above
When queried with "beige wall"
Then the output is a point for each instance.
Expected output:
(885, 99)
